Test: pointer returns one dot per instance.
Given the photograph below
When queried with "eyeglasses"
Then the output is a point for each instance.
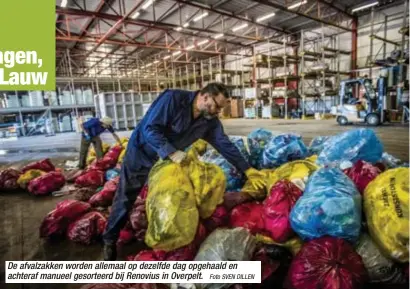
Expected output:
(217, 106)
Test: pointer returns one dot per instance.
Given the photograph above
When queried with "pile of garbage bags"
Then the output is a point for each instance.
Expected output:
(332, 215)
(38, 178)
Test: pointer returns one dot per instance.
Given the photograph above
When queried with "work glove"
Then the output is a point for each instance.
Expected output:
(177, 157)
(86, 136)
(256, 178)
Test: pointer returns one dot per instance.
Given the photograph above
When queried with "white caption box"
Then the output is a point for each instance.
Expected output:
(132, 272)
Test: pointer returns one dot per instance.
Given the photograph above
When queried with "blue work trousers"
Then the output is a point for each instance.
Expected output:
(133, 177)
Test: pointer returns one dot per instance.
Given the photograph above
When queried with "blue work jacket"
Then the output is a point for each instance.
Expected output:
(95, 128)
(169, 126)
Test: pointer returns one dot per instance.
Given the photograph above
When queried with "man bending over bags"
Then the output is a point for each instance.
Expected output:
(174, 121)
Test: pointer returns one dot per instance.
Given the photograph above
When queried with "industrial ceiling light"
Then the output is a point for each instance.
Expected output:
(219, 35)
(267, 16)
(147, 4)
(135, 15)
(199, 17)
(240, 27)
(166, 57)
(156, 61)
(178, 28)
(185, 25)
(365, 6)
(176, 53)
(300, 3)
(63, 3)
(203, 42)
(148, 65)
(190, 47)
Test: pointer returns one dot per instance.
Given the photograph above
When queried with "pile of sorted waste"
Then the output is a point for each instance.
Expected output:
(334, 214)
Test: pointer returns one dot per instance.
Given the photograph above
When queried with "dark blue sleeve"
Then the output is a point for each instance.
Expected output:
(157, 120)
(221, 142)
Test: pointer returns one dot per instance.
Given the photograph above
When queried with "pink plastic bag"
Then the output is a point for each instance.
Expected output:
(362, 173)
(44, 165)
(277, 207)
(90, 178)
(56, 222)
(105, 197)
(327, 262)
(219, 218)
(87, 228)
(46, 184)
(249, 216)
(8, 179)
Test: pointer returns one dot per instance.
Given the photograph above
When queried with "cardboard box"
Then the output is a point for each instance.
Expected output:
(236, 108)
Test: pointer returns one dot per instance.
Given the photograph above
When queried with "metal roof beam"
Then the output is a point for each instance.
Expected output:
(153, 25)
(343, 11)
(230, 14)
(283, 8)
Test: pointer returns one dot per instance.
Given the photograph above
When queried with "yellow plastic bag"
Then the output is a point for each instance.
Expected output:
(180, 194)
(293, 245)
(25, 178)
(386, 205)
(297, 172)
(312, 158)
(122, 154)
(91, 156)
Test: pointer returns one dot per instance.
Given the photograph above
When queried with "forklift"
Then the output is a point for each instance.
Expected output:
(368, 109)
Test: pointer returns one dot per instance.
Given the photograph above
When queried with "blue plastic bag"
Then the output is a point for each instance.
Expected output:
(317, 144)
(234, 178)
(110, 174)
(257, 140)
(282, 149)
(331, 205)
(353, 145)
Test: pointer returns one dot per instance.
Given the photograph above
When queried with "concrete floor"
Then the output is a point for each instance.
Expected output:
(22, 214)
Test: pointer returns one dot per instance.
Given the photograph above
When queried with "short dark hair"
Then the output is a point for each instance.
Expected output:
(215, 88)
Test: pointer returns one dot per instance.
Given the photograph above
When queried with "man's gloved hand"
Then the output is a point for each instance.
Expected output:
(177, 157)
(86, 136)
(256, 178)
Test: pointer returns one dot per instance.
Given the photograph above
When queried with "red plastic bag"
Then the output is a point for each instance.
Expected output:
(90, 178)
(45, 165)
(105, 197)
(87, 229)
(46, 184)
(126, 236)
(362, 173)
(108, 161)
(138, 219)
(148, 255)
(268, 265)
(329, 263)
(8, 179)
(249, 216)
(186, 253)
(218, 219)
(144, 192)
(277, 207)
(56, 222)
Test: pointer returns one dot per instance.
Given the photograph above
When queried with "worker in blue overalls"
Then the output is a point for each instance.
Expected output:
(175, 120)
(91, 130)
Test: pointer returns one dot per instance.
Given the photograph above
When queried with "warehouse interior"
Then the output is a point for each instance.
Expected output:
(309, 67)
